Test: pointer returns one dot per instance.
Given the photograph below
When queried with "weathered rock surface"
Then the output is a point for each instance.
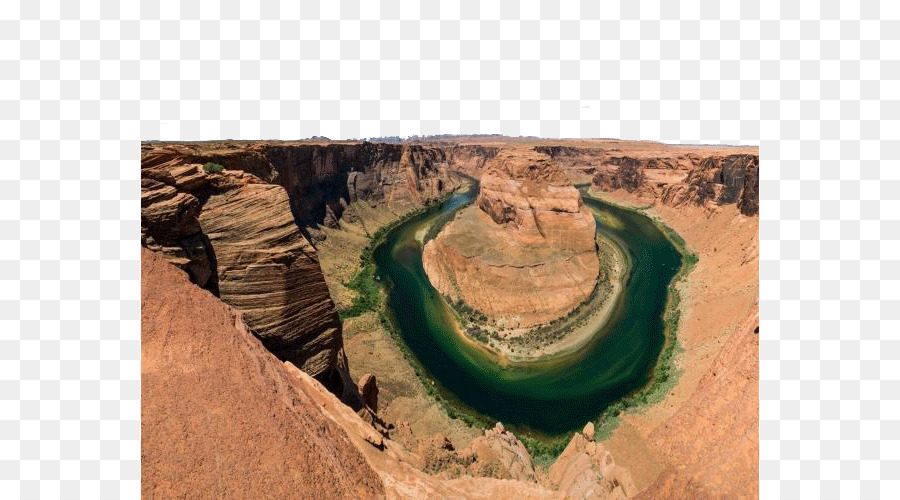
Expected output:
(698, 178)
(470, 159)
(629, 175)
(729, 179)
(528, 230)
(244, 233)
(368, 391)
(220, 417)
(236, 237)
(322, 178)
(269, 271)
(703, 424)
(585, 469)
(498, 453)
(718, 456)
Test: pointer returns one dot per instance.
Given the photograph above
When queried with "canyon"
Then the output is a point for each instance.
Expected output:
(247, 339)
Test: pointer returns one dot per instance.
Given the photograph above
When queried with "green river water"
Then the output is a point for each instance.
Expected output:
(545, 397)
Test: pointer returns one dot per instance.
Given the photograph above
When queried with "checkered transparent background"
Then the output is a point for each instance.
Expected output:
(81, 83)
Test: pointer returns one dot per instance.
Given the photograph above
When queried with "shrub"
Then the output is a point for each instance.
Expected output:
(367, 292)
(212, 168)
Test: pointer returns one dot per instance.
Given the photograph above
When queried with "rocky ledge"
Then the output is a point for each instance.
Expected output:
(713, 179)
(528, 231)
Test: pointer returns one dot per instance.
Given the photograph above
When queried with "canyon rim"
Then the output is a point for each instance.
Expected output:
(276, 358)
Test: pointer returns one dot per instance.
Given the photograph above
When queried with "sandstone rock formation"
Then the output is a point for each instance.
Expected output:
(323, 178)
(585, 469)
(269, 271)
(241, 242)
(219, 415)
(528, 231)
(368, 391)
(244, 233)
(729, 179)
(723, 463)
(628, 176)
(498, 453)
(677, 178)
(470, 159)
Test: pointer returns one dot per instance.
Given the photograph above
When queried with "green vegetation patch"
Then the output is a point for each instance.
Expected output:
(368, 293)
(212, 168)
(364, 282)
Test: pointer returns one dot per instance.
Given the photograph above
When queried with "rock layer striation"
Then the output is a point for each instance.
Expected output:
(528, 230)
(715, 178)
(220, 416)
(247, 233)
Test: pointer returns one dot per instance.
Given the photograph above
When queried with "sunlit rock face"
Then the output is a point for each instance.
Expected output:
(243, 230)
(525, 253)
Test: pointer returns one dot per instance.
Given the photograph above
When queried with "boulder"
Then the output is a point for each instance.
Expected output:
(368, 391)
(585, 469)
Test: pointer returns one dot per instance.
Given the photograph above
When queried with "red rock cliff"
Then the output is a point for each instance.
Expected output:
(220, 416)
(244, 233)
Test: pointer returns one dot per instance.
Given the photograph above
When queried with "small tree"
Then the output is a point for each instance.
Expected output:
(212, 168)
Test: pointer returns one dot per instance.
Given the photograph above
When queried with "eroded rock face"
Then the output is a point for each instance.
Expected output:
(629, 175)
(713, 443)
(729, 179)
(223, 417)
(235, 236)
(243, 233)
(321, 179)
(687, 178)
(470, 159)
(587, 470)
(368, 391)
(498, 453)
(220, 416)
(528, 230)
(268, 270)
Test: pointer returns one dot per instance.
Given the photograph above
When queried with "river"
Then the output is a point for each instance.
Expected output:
(545, 397)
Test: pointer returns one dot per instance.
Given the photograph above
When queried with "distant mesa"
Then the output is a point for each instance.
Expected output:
(525, 253)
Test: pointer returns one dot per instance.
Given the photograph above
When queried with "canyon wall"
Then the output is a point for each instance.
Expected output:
(528, 230)
(235, 236)
(247, 233)
(674, 175)
(220, 417)
(322, 178)
(701, 440)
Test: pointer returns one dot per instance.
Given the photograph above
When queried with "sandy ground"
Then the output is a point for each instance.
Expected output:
(719, 296)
